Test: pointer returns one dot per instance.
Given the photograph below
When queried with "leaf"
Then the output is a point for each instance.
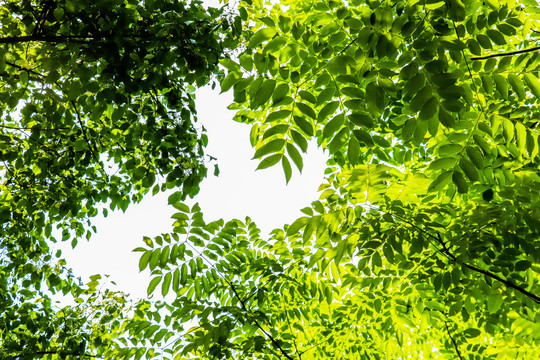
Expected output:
(297, 225)
(143, 261)
(165, 286)
(522, 265)
(280, 92)
(533, 83)
(442, 163)
(353, 151)
(469, 169)
(484, 41)
(459, 180)
(304, 125)
(429, 109)
(153, 283)
(260, 36)
(299, 140)
(475, 156)
(275, 130)
(421, 98)
(501, 85)
(327, 110)
(264, 93)
(446, 119)
(270, 147)
(341, 64)
(269, 161)
(306, 110)
(496, 36)
(286, 168)
(295, 156)
(508, 130)
(441, 181)
(517, 85)
(333, 126)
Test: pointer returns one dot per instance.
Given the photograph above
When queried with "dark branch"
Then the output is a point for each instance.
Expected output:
(50, 352)
(445, 251)
(453, 341)
(510, 53)
(505, 282)
(43, 38)
(274, 341)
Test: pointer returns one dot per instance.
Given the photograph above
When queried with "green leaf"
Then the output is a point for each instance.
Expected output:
(533, 83)
(231, 79)
(299, 140)
(443, 163)
(143, 261)
(353, 151)
(522, 265)
(306, 110)
(441, 181)
(517, 85)
(429, 109)
(341, 64)
(496, 36)
(269, 161)
(270, 147)
(286, 168)
(58, 13)
(484, 41)
(275, 130)
(501, 85)
(280, 92)
(166, 285)
(475, 156)
(153, 283)
(304, 125)
(297, 225)
(295, 156)
(260, 36)
(421, 98)
(333, 126)
(446, 119)
(327, 110)
(264, 93)
(154, 259)
(459, 180)
(469, 169)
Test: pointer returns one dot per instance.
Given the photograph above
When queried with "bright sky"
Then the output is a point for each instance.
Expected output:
(239, 191)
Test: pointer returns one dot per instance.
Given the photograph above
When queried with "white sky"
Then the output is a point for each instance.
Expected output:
(239, 191)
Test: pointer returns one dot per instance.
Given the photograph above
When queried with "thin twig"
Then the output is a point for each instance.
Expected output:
(510, 53)
(453, 341)
(452, 257)
(274, 341)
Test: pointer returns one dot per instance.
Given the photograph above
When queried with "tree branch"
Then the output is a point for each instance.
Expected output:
(453, 341)
(445, 251)
(42, 38)
(510, 53)
(274, 341)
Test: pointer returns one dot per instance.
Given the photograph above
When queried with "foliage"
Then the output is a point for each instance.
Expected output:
(424, 242)
(96, 100)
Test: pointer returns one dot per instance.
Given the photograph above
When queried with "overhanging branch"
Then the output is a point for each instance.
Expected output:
(510, 53)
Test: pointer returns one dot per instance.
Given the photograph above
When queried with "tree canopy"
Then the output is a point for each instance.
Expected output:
(424, 241)
(97, 105)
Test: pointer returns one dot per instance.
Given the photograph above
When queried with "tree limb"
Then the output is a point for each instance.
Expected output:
(445, 251)
(453, 341)
(274, 341)
(510, 53)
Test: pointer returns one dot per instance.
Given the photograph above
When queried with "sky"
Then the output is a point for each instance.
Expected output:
(237, 192)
